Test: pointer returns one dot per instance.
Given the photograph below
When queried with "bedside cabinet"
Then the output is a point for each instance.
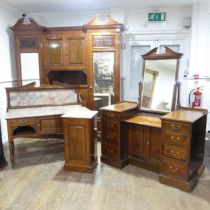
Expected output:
(114, 146)
(182, 150)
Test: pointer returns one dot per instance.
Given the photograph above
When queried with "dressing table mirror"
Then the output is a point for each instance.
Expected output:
(158, 91)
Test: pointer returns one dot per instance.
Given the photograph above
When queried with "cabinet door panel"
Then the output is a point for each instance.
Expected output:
(153, 144)
(76, 51)
(135, 136)
(50, 125)
(54, 56)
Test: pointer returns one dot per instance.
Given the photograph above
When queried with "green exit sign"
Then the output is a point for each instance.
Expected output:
(156, 16)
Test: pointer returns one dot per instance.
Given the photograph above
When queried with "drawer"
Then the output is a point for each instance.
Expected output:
(173, 168)
(23, 121)
(109, 151)
(111, 124)
(176, 127)
(110, 114)
(178, 139)
(110, 137)
(179, 153)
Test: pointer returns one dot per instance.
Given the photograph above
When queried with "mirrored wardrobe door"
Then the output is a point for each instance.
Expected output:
(103, 70)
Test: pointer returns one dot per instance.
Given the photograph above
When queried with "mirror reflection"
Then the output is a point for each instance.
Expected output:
(103, 67)
(158, 84)
(29, 68)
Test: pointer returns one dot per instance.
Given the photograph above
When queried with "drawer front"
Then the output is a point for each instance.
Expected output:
(109, 151)
(176, 127)
(179, 153)
(110, 114)
(24, 121)
(110, 137)
(173, 168)
(178, 139)
(111, 124)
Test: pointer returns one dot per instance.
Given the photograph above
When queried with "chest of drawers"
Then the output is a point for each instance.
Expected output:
(182, 146)
(114, 146)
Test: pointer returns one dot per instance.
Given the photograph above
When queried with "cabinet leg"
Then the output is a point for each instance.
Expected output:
(12, 151)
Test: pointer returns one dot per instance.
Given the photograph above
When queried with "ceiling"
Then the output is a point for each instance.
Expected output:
(34, 6)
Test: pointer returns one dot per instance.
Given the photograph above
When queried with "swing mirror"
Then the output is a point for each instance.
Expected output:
(158, 90)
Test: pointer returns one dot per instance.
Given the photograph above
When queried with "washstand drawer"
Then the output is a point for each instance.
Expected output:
(23, 121)
(176, 126)
(179, 153)
(111, 137)
(110, 114)
(110, 124)
(110, 151)
(174, 138)
(174, 168)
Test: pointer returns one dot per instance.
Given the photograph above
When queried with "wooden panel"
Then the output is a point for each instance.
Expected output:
(174, 168)
(76, 51)
(54, 52)
(50, 125)
(28, 43)
(179, 153)
(110, 151)
(23, 121)
(175, 138)
(111, 137)
(110, 114)
(76, 138)
(176, 126)
(153, 144)
(135, 139)
(111, 124)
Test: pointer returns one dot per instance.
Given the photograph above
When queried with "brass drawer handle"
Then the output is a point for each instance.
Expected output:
(172, 169)
(175, 127)
(109, 137)
(109, 125)
(174, 153)
(109, 115)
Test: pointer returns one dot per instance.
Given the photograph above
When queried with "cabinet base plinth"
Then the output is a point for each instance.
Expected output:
(116, 163)
(144, 164)
(89, 168)
(181, 184)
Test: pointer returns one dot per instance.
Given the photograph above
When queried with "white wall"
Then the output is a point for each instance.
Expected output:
(8, 17)
(137, 19)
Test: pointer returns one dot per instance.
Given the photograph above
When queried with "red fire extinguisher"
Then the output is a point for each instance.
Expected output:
(197, 98)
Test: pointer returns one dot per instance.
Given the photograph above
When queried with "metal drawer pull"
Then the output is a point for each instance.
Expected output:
(109, 125)
(171, 168)
(175, 127)
(174, 153)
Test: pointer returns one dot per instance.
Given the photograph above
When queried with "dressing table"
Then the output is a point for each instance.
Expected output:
(157, 133)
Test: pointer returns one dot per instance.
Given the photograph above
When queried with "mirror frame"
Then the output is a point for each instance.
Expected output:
(154, 55)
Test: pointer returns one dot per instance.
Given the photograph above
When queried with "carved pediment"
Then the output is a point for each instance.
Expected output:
(104, 22)
(32, 25)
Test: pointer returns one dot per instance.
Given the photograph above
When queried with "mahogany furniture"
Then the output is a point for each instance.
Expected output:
(3, 161)
(69, 49)
(36, 111)
(143, 134)
(114, 146)
(160, 135)
(80, 144)
(182, 147)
